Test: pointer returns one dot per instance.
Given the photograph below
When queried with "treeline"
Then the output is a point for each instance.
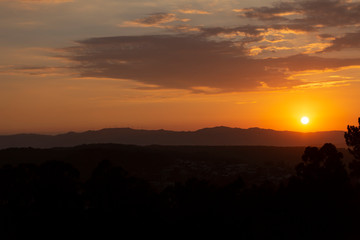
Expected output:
(320, 201)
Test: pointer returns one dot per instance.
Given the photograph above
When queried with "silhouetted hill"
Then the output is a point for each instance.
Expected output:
(208, 136)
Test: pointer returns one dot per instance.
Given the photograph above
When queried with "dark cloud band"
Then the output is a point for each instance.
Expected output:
(188, 61)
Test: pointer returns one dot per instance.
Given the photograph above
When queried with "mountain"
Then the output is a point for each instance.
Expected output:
(207, 136)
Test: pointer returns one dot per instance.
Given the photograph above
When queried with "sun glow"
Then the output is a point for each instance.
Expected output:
(305, 120)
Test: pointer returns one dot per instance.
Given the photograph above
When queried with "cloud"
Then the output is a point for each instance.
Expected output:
(278, 12)
(313, 13)
(246, 30)
(36, 71)
(256, 33)
(183, 28)
(154, 20)
(326, 84)
(295, 27)
(350, 40)
(190, 62)
(193, 11)
(326, 36)
(306, 17)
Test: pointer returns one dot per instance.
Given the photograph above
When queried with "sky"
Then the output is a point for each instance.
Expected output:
(76, 65)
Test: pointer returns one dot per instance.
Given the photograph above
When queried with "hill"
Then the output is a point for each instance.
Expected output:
(217, 136)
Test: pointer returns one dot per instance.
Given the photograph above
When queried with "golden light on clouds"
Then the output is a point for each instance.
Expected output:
(193, 11)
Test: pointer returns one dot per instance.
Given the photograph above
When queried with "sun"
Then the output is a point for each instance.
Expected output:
(305, 120)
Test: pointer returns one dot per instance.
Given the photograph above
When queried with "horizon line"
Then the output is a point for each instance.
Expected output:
(158, 129)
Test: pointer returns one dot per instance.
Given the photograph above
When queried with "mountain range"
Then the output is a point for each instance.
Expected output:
(215, 136)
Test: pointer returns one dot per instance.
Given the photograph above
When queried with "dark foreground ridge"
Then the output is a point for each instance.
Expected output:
(111, 191)
(208, 136)
(164, 165)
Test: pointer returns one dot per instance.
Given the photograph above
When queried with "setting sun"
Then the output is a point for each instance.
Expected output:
(305, 120)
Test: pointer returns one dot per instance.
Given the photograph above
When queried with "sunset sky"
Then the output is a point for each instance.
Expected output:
(75, 65)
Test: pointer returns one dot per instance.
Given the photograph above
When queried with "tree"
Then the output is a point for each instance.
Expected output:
(352, 138)
(322, 165)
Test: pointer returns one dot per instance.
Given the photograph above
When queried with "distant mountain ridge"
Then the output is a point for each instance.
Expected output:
(207, 136)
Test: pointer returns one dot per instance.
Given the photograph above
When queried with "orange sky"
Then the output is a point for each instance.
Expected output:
(80, 65)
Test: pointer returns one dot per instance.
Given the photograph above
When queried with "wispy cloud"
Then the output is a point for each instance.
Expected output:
(246, 30)
(154, 20)
(324, 84)
(37, 71)
(315, 13)
(193, 11)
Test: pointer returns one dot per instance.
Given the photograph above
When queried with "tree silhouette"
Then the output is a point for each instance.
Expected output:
(352, 138)
(322, 165)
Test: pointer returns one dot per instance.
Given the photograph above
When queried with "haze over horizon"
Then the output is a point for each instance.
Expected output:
(78, 65)
(162, 129)
(217, 136)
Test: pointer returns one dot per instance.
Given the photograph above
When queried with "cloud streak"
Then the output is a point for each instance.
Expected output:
(154, 20)
(193, 11)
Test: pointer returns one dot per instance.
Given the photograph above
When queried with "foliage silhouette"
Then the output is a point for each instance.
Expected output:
(352, 137)
(322, 166)
(317, 202)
